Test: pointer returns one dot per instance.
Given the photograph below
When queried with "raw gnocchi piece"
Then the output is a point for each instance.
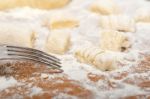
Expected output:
(78, 52)
(143, 15)
(63, 20)
(42, 4)
(105, 7)
(103, 60)
(58, 42)
(118, 22)
(16, 34)
(106, 61)
(114, 40)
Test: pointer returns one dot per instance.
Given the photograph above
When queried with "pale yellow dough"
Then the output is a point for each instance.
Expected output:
(63, 20)
(42, 4)
(103, 60)
(58, 42)
(143, 15)
(104, 7)
(18, 35)
(118, 22)
(114, 40)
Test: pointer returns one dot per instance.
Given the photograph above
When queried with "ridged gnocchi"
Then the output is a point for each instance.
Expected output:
(114, 40)
(118, 22)
(103, 60)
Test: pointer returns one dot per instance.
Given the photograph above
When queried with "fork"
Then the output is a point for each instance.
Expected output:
(8, 52)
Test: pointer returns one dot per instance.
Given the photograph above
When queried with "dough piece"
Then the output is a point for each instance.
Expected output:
(105, 7)
(114, 41)
(42, 4)
(79, 51)
(16, 34)
(63, 20)
(106, 61)
(103, 60)
(143, 15)
(118, 22)
(58, 42)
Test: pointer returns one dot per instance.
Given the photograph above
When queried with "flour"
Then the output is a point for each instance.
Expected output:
(7, 82)
(87, 32)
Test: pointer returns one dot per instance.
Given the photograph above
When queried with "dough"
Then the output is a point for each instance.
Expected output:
(58, 41)
(106, 61)
(83, 53)
(143, 15)
(105, 7)
(42, 4)
(114, 40)
(63, 20)
(17, 34)
(103, 60)
(118, 22)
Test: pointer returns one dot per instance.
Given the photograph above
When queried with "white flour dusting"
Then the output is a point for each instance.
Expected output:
(87, 32)
(7, 82)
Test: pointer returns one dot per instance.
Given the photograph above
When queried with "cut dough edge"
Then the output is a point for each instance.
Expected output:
(12, 35)
(58, 42)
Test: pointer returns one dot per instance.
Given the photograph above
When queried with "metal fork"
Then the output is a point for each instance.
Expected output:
(8, 52)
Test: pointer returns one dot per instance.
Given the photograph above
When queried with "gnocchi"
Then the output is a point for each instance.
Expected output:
(42, 4)
(58, 42)
(63, 20)
(12, 35)
(142, 15)
(114, 40)
(103, 60)
(118, 22)
(104, 7)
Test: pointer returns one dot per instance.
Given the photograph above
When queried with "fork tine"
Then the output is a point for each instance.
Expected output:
(34, 51)
(60, 70)
(34, 54)
(37, 56)
(31, 59)
(24, 53)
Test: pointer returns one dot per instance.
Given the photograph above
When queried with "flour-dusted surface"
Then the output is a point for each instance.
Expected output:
(131, 79)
